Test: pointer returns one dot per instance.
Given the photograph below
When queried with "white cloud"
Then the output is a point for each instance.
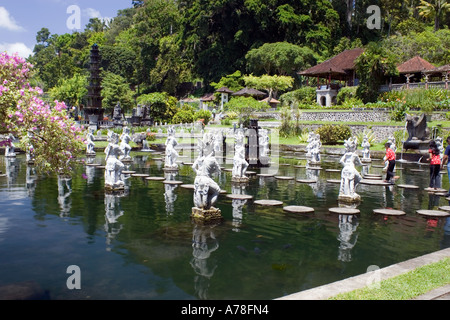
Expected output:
(8, 22)
(94, 13)
(20, 48)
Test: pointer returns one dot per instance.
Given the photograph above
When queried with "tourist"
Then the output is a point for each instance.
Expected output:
(435, 165)
(390, 157)
(444, 160)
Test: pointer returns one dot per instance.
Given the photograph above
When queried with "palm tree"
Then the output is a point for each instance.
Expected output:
(434, 8)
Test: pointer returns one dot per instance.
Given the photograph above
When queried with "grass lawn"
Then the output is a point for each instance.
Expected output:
(405, 286)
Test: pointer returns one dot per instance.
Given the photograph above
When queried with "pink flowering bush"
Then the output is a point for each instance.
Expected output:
(56, 140)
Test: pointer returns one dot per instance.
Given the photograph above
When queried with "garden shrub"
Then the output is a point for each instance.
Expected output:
(203, 114)
(331, 133)
(183, 116)
(346, 93)
(305, 96)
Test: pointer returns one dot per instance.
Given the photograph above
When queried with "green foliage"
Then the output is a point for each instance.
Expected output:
(233, 81)
(184, 115)
(116, 90)
(245, 107)
(71, 91)
(272, 84)
(346, 93)
(332, 133)
(203, 114)
(290, 122)
(301, 97)
(162, 106)
(366, 132)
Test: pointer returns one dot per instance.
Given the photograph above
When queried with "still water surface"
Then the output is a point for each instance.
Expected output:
(143, 245)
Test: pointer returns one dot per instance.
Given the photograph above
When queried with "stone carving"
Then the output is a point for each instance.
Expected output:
(263, 143)
(30, 148)
(171, 154)
(240, 165)
(90, 142)
(125, 139)
(10, 148)
(313, 148)
(350, 177)
(206, 190)
(440, 145)
(366, 149)
(114, 167)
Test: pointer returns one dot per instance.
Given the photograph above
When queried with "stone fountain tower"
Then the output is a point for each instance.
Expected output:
(93, 110)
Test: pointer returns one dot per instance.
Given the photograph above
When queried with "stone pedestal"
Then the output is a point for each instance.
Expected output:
(349, 198)
(239, 179)
(206, 215)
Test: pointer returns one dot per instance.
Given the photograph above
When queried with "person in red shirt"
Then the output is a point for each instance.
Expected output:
(390, 156)
(435, 165)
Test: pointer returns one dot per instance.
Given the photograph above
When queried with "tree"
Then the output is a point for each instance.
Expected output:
(233, 81)
(162, 106)
(245, 107)
(434, 9)
(116, 90)
(71, 91)
(55, 139)
(272, 84)
(282, 58)
(372, 66)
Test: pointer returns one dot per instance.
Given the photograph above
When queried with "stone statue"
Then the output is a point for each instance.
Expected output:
(263, 143)
(417, 127)
(440, 147)
(125, 139)
(10, 148)
(350, 177)
(206, 190)
(240, 165)
(114, 167)
(171, 153)
(313, 148)
(90, 142)
(366, 149)
(30, 148)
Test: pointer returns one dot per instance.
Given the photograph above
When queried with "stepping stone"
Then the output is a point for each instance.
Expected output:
(375, 182)
(298, 209)
(377, 166)
(372, 177)
(93, 164)
(314, 168)
(408, 186)
(158, 159)
(188, 163)
(172, 182)
(306, 180)
(284, 164)
(101, 167)
(433, 213)
(142, 175)
(250, 173)
(416, 170)
(332, 170)
(390, 212)
(299, 166)
(435, 190)
(334, 181)
(269, 202)
(239, 196)
(445, 208)
(128, 172)
(341, 210)
(155, 178)
(284, 178)
(187, 186)
(266, 175)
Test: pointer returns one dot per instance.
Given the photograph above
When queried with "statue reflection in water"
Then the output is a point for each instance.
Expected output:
(64, 191)
(347, 237)
(204, 242)
(113, 212)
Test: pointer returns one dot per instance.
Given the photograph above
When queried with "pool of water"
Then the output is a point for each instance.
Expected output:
(143, 244)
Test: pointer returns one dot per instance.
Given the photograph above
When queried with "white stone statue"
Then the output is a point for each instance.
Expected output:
(240, 165)
(263, 143)
(125, 139)
(10, 148)
(366, 149)
(218, 142)
(206, 190)
(440, 146)
(350, 177)
(90, 142)
(171, 154)
(30, 148)
(114, 167)
(313, 148)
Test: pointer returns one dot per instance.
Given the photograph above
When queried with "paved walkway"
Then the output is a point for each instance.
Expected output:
(327, 291)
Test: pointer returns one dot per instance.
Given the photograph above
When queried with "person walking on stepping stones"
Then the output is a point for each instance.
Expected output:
(390, 157)
(435, 165)
(444, 160)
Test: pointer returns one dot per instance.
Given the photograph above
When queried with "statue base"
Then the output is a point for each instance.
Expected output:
(366, 160)
(170, 169)
(114, 189)
(239, 179)
(127, 159)
(206, 215)
(349, 199)
(91, 154)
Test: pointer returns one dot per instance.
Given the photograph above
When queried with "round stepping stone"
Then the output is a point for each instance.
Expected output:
(172, 182)
(341, 210)
(377, 166)
(187, 186)
(155, 178)
(416, 170)
(298, 209)
(93, 164)
(128, 172)
(284, 164)
(435, 190)
(314, 168)
(306, 180)
(334, 181)
(239, 196)
(250, 173)
(445, 208)
(142, 175)
(269, 202)
(284, 178)
(266, 175)
(375, 182)
(157, 159)
(372, 177)
(408, 186)
(433, 213)
(101, 167)
(332, 170)
(299, 166)
(390, 212)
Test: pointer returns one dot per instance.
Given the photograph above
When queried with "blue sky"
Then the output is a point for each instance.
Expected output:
(20, 20)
